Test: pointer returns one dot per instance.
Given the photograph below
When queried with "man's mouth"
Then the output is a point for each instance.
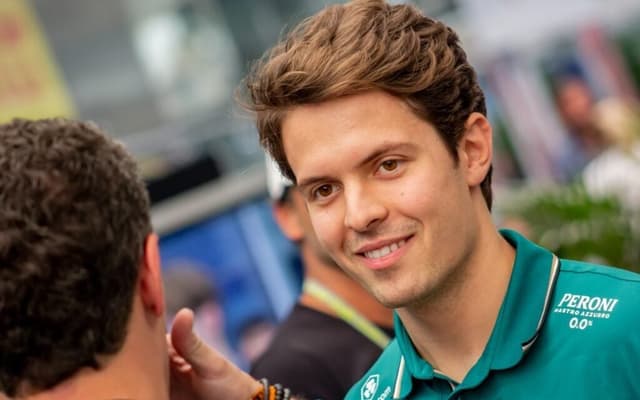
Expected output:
(384, 250)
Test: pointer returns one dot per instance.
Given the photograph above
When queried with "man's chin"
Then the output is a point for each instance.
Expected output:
(391, 300)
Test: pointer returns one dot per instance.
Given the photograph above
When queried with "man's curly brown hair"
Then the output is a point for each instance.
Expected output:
(361, 46)
(74, 216)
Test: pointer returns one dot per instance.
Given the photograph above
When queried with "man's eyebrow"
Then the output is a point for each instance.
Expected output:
(376, 153)
(384, 148)
(301, 185)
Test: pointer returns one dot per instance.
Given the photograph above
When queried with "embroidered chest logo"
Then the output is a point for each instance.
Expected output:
(585, 309)
(370, 387)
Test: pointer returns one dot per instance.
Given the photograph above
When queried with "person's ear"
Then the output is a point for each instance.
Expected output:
(475, 148)
(289, 221)
(150, 280)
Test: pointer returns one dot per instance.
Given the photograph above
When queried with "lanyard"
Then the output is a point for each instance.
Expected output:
(347, 313)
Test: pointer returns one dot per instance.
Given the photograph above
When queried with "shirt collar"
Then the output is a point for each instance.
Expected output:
(519, 321)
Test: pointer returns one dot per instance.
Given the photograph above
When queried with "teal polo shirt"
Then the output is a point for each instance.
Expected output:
(565, 330)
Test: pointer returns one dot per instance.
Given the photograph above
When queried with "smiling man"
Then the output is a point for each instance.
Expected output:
(375, 113)
(334, 316)
(409, 227)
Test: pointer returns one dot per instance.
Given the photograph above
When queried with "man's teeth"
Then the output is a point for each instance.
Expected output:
(383, 251)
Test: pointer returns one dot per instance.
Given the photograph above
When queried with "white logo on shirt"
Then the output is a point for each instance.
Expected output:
(370, 387)
(585, 309)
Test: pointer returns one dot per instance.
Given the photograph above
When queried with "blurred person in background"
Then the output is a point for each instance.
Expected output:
(256, 333)
(616, 171)
(81, 296)
(187, 286)
(334, 318)
(576, 102)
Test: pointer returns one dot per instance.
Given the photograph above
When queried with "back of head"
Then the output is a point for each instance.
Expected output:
(74, 218)
(360, 46)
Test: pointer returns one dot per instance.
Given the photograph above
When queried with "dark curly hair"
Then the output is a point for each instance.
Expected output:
(366, 45)
(74, 216)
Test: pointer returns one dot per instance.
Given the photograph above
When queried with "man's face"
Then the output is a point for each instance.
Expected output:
(383, 193)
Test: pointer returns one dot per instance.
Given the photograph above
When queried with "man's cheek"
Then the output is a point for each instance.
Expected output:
(327, 239)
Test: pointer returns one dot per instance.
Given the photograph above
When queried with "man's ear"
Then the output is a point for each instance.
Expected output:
(288, 221)
(151, 276)
(475, 148)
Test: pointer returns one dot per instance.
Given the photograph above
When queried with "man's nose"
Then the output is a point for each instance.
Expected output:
(364, 208)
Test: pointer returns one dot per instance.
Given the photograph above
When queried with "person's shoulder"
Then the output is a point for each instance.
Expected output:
(381, 377)
(599, 294)
(309, 341)
(591, 326)
(296, 363)
(586, 272)
(307, 318)
(308, 329)
(292, 344)
(321, 362)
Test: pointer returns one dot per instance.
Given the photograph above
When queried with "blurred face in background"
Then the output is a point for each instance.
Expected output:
(575, 102)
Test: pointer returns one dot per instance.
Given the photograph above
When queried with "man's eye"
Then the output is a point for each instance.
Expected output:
(389, 165)
(323, 191)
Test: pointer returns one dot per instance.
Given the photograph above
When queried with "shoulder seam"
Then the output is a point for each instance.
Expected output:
(612, 276)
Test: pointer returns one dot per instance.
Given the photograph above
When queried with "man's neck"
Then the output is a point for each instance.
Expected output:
(139, 371)
(451, 330)
(348, 290)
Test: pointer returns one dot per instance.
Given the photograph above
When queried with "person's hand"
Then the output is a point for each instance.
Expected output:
(199, 372)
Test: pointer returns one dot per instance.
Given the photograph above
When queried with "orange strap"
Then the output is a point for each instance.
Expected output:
(259, 394)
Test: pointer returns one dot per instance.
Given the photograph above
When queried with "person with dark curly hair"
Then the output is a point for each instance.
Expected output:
(81, 297)
(375, 114)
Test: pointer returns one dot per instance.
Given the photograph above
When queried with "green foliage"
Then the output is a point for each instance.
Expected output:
(573, 224)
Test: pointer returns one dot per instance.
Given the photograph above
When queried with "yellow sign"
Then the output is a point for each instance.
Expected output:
(30, 85)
